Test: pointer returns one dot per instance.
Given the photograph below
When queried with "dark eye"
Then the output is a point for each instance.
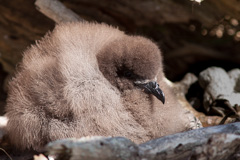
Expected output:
(124, 72)
(127, 74)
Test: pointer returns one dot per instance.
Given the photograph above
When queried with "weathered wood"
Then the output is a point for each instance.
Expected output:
(40, 157)
(93, 148)
(3, 123)
(56, 11)
(212, 143)
(195, 143)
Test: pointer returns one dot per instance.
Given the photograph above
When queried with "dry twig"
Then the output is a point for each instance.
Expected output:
(56, 11)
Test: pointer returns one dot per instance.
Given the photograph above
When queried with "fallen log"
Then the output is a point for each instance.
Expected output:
(212, 143)
(218, 142)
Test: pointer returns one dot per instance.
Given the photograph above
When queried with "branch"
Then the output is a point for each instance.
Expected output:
(3, 124)
(218, 142)
(56, 11)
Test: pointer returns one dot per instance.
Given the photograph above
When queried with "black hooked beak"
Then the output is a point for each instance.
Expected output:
(152, 87)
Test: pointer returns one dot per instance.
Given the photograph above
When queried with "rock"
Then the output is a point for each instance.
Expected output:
(234, 75)
(219, 85)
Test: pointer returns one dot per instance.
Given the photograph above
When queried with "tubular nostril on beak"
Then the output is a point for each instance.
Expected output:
(152, 87)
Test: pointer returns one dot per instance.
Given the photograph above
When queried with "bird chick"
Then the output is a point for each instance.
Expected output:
(87, 79)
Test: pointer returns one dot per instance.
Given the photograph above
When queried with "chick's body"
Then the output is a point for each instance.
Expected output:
(71, 84)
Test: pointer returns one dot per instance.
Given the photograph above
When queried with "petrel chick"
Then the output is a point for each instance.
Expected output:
(87, 79)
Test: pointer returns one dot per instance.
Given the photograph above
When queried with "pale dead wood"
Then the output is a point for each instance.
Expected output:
(3, 124)
(218, 142)
(93, 148)
(6, 153)
(212, 147)
(40, 157)
(56, 11)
